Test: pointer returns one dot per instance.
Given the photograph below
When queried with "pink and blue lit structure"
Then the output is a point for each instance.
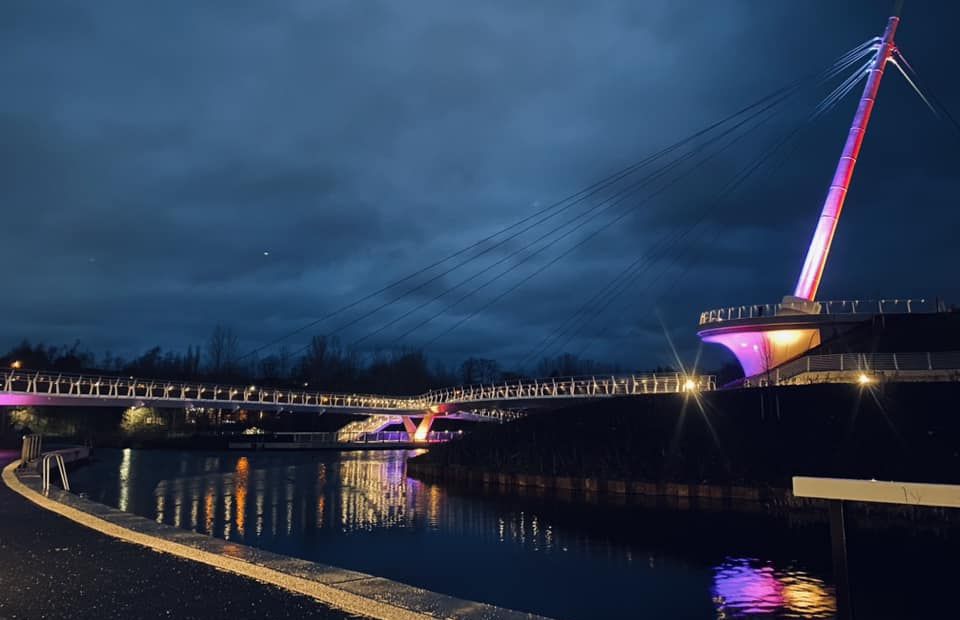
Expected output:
(816, 260)
(761, 343)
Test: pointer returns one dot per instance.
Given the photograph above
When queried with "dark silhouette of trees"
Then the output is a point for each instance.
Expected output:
(569, 365)
(478, 370)
(223, 352)
(324, 365)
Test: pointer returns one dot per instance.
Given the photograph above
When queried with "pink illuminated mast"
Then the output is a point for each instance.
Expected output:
(816, 259)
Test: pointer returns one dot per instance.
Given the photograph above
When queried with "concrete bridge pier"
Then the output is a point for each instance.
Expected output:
(419, 432)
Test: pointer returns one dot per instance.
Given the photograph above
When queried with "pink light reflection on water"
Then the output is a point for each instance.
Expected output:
(747, 588)
(744, 588)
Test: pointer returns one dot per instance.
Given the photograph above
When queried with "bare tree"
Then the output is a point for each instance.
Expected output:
(476, 370)
(223, 350)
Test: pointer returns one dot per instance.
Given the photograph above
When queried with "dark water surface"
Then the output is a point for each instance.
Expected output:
(564, 559)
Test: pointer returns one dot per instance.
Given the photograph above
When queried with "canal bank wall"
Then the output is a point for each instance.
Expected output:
(436, 473)
(742, 444)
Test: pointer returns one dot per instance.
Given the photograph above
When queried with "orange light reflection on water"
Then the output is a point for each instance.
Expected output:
(240, 482)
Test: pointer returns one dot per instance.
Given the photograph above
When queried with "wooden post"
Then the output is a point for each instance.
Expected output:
(841, 573)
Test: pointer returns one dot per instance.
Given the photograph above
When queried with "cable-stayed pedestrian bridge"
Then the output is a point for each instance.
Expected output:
(39, 388)
(761, 337)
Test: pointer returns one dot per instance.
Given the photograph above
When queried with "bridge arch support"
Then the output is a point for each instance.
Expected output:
(419, 432)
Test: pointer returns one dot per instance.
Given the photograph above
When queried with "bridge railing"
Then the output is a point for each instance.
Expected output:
(833, 307)
(64, 384)
(567, 387)
(212, 395)
(864, 363)
(340, 437)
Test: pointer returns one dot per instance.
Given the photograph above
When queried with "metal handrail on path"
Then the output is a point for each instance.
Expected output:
(49, 458)
(832, 307)
(575, 387)
(31, 449)
(943, 361)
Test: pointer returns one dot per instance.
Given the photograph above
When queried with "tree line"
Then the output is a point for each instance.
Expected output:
(323, 365)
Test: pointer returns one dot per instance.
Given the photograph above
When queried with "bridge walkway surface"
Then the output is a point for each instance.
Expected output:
(53, 568)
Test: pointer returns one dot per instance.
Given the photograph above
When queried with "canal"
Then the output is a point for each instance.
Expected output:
(562, 557)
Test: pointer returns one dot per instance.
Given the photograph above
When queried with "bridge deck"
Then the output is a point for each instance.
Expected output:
(32, 388)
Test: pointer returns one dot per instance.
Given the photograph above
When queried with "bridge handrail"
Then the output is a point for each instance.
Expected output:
(584, 385)
(338, 437)
(106, 386)
(78, 384)
(866, 363)
(830, 307)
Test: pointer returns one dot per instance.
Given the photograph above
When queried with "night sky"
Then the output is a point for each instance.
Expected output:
(166, 166)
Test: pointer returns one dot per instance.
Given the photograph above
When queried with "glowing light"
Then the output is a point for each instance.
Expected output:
(760, 350)
(690, 385)
(124, 501)
(808, 597)
(16, 364)
(747, 588)
(864, 379)
(240, 481)
(751, 587)
(423, 429)
(785, 337)
(816, 259)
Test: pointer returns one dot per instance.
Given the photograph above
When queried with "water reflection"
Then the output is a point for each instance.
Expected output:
(361, 511)
(744, 588)
(125, 461)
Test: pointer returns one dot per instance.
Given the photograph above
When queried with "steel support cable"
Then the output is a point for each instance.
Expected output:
(655, 175)
(827, 76)
(450, 270)
(841, 91)
(572, 319)
(608, 203)
(642, 262)
(574, 247)
(546, 344)
(617, 197)
(645, 162)
(926, 94)
(575, 196)
(728, 190)
(573, 199)
(653, 283)
(838, 67)
(913, 85)
(583, 241)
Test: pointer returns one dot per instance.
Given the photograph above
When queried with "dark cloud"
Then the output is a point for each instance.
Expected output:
(165, 167)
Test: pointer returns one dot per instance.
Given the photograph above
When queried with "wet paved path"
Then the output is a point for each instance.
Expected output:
(52, 568)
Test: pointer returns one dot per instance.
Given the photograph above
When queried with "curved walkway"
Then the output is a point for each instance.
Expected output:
(51, 567)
